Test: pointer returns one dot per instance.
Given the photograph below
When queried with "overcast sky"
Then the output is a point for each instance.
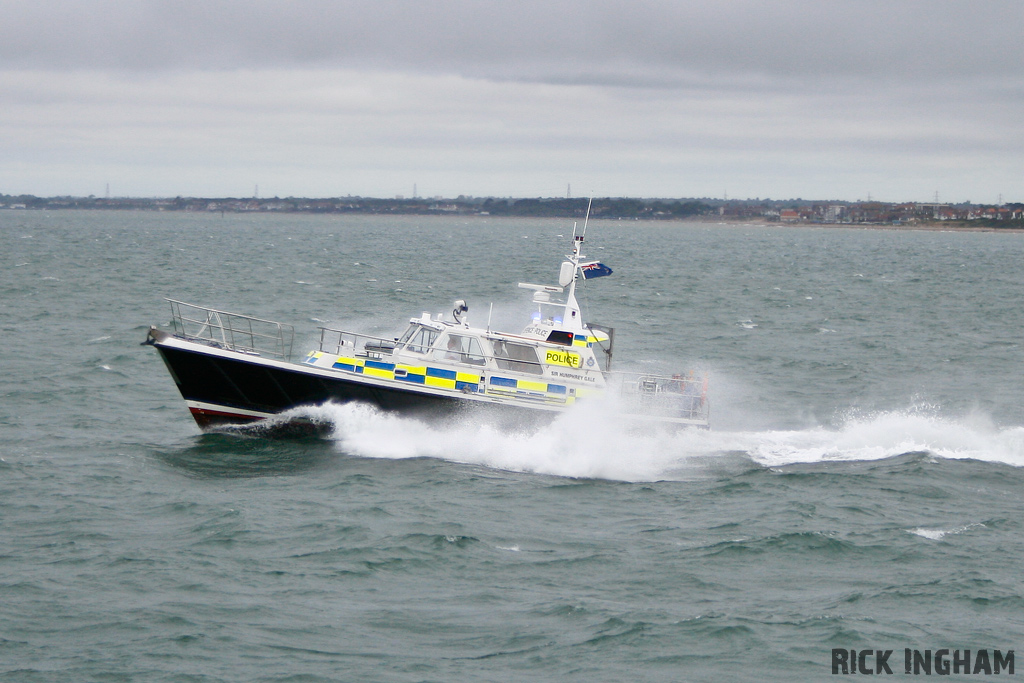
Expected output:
(892, 99)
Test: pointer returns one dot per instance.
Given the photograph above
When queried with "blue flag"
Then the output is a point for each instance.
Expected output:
(594, 269)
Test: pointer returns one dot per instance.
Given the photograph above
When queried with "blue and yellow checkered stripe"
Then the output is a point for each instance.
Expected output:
(431, 377)
(588, 341)
(528, 389)
(450, 379)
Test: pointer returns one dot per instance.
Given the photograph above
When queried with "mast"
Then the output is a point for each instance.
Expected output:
(573, 319)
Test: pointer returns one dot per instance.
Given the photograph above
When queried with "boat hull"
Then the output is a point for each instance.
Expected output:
(224, 387)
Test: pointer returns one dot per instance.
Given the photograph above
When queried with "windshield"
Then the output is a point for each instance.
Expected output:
(419, 339)
(408, 333)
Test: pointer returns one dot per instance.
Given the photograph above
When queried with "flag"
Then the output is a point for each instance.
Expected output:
(594, 269)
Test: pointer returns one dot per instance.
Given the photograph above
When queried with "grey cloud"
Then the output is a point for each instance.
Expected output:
(616, 43)
(780, 98)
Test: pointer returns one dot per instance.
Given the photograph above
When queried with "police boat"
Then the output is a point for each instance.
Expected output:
(234, 369)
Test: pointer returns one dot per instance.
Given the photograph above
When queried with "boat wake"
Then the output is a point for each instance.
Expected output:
(593, 441)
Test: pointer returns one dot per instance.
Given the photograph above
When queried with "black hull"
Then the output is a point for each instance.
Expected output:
(230, 388)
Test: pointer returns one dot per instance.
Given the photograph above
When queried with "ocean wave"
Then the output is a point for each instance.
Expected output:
(594, 441)
(939, 534)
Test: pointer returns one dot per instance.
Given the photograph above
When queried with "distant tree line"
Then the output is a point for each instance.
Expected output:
(601, 208)
(1004, 215)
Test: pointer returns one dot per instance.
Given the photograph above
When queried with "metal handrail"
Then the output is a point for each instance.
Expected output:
(660, 394)
(232, 331)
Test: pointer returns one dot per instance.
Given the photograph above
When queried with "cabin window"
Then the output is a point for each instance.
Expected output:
(559, 337)
(420, 340)
(517, 357)
(462, 349)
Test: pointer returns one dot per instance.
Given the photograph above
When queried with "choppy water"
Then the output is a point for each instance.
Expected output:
(861, 485)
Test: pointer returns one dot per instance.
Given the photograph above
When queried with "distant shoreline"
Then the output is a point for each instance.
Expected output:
(641, 212)
(878, 215)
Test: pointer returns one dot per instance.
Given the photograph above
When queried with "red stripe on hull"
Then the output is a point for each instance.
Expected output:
(214, 418)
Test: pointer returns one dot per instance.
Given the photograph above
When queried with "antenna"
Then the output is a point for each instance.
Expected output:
(568, 191)
(586, 220)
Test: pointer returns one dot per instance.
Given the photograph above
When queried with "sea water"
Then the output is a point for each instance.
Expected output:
(860, 487)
